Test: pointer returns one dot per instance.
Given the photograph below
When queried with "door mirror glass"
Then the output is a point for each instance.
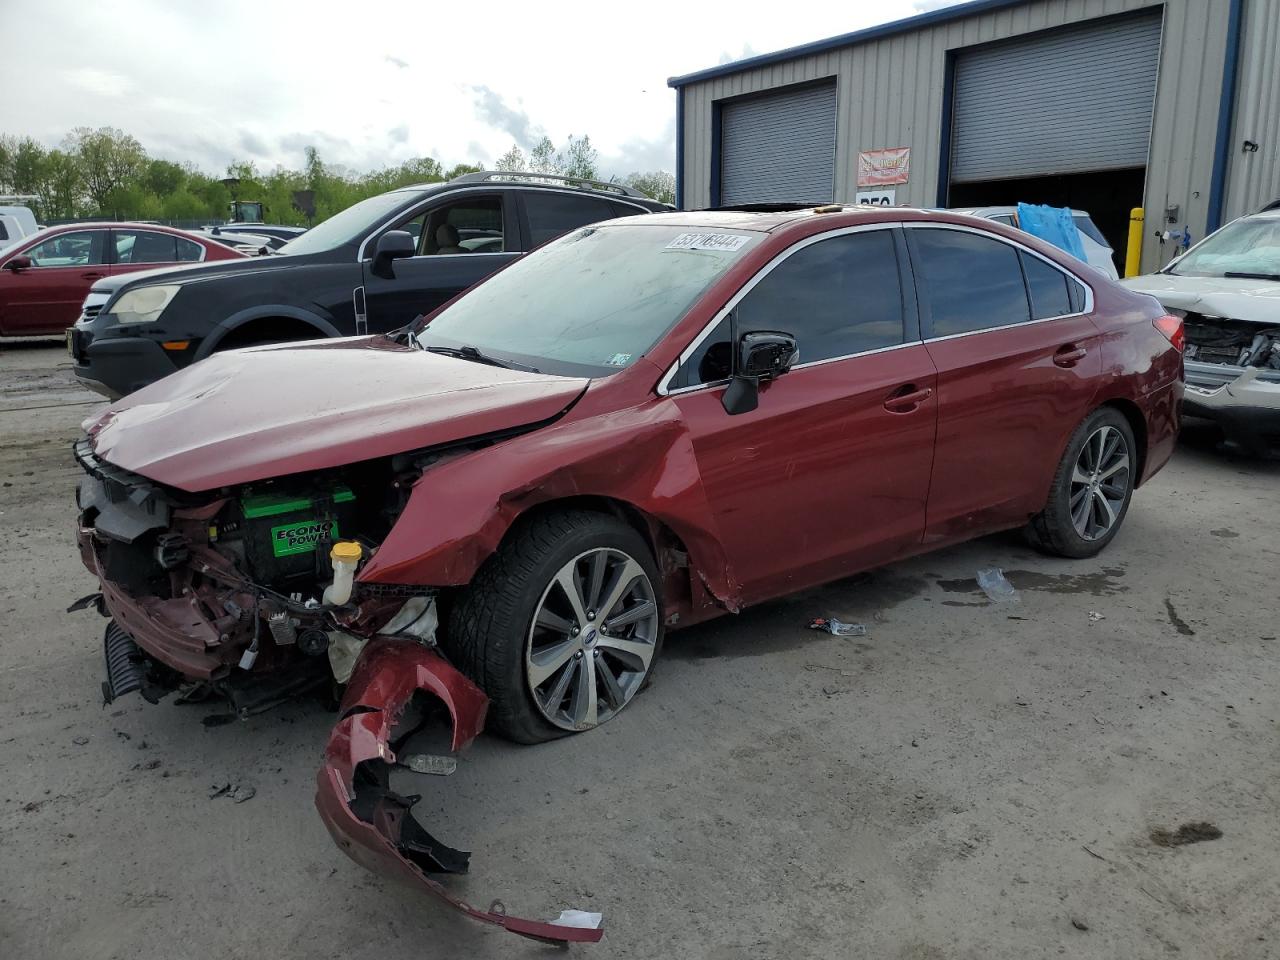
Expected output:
(392, 245)
(17, 263)
(761, 355)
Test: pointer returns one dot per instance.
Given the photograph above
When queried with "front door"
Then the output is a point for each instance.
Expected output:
(459, 244)
(1018, 361)
(830, 473)
(45, 297)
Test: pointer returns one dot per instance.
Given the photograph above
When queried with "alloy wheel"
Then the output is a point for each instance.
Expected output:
(1100, 483)
(592, 639)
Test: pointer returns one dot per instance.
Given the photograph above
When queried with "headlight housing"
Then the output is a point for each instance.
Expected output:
(145, 304)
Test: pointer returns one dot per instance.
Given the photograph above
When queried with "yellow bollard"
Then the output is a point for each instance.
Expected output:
(1133, 252)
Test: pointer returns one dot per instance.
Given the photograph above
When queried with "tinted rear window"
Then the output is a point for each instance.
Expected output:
(970, 282)
(1050, 295)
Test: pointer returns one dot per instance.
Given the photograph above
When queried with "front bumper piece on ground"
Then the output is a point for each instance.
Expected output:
(373, 825)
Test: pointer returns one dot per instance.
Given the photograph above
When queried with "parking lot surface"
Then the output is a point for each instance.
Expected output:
(969, 780)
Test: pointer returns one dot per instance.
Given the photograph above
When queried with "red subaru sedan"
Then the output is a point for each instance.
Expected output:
(44, 277)
(644, 424)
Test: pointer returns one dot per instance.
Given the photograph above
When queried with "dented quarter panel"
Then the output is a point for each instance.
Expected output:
(386, 678)
(333, 402)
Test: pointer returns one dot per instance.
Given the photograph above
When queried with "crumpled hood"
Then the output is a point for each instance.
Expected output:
(265, 412)
(1233, 298)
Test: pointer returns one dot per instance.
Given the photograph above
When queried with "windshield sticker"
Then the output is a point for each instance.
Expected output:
(707, 241)
(618, 360)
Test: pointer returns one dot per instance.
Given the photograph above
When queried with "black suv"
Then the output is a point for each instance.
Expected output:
(370, 269)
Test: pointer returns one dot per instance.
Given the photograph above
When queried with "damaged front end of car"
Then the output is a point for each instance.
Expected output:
(1233, 377)
(397, 687)
(244, 593)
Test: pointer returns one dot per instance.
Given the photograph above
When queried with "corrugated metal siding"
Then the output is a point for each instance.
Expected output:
(1074, 99)
(889, 94)
(1254, 178)
(780, 147)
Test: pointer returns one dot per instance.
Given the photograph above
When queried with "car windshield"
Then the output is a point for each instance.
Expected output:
(1250, 246)
(592, 302)
(350, 225)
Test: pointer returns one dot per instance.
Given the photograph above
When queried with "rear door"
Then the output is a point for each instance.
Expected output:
(1018, 360)
(830, 474)
(138, 249)
(460, 242)
(45, 298)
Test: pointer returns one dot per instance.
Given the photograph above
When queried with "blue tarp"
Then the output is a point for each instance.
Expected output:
(1053, 225)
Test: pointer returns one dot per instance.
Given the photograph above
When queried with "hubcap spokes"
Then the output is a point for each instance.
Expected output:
(1099, 483)
(592, 639)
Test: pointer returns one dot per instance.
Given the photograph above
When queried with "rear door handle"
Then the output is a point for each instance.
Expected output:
(92, 276)
(1069, 355)
(907, 398)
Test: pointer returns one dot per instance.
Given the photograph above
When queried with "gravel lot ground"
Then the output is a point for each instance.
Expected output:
(967, 781)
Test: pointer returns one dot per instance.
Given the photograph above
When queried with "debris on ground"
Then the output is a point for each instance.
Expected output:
(1079, 924)
(996, 587)
(440, 766)
(79, 741)
(1095, 616)
(1196, 832)
(235, 792)
(838, 628)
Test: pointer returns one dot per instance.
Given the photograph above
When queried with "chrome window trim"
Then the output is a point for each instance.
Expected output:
(499, 188)
(665, 389)
(1088, 289)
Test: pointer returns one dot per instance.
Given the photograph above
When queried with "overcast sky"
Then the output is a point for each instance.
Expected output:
(372, 84)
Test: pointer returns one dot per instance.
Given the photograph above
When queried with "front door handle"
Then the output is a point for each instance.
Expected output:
(92, 276)
(1069, 355)
(907, 398)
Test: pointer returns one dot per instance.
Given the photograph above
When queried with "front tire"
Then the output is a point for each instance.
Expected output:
(562, 626)
(1091, 489)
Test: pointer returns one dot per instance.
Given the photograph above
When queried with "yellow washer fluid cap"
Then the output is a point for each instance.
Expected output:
(346, 551)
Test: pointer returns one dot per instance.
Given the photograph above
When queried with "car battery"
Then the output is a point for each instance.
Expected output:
(281, 533)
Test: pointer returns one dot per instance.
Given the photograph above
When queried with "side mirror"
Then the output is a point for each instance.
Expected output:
(17, 263)
(392, 245)
(761, 355)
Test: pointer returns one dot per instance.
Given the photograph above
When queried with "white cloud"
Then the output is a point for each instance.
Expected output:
(254, 81)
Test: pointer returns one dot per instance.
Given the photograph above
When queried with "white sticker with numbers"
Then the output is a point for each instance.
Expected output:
(707, 241)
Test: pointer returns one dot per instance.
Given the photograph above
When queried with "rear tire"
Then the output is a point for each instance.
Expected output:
(551, 664)
(1091, 488)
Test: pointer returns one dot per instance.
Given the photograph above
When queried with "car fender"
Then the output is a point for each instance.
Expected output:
(461, 508)
(261, 312)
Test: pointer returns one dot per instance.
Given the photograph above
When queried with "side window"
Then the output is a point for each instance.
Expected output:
(626, 210)
(551, 214)
(469, 226)
(1005, 218)
(414, 228)
(188, 250)
(970, 282)
(1075, 291)
(77, 249)
(838, 297)
(1047, 286)
(144, 246)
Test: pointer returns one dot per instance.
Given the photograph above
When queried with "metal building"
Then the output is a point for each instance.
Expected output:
(1103, 105)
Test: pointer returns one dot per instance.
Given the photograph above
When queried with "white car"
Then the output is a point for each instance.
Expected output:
(1226, 288)
(1097, 252)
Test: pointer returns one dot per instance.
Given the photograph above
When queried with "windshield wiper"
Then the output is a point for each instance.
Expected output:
(475, 356)
(1234, 275)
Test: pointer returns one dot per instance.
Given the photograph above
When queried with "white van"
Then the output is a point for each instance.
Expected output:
(16, 223)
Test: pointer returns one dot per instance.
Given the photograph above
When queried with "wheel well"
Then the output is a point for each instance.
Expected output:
(268, 330)
(1138, 424)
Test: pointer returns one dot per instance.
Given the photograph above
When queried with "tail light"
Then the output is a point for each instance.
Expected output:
(1173, 330)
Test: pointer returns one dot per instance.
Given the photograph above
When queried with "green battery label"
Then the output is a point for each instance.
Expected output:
(301, 536)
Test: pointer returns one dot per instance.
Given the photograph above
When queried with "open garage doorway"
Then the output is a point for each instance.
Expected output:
(1106, 195)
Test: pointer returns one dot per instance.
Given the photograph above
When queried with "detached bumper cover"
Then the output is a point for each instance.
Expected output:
(373, 825)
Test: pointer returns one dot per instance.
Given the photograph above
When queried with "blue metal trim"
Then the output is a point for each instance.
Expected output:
(1226, 113)
(944, 143)
(945, 15)
(680, 149)
(717, 136)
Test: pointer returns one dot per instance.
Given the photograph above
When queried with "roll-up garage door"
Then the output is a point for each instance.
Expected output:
(779, 147)
(1071, 100)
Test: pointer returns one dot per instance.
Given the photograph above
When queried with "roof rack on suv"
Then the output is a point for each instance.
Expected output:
(547, 179)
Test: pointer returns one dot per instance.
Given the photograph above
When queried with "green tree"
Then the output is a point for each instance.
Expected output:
(462, 169)
(512, 160)
(108, 159)
(543, 157)
(659, 184)
(60, 185)
(162, 177)
(579, 159)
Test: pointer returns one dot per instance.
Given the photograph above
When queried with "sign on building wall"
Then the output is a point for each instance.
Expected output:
(877, 168)
(877, 198)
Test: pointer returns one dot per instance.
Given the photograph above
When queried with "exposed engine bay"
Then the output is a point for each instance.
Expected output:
(259, 578)
(1235, 342)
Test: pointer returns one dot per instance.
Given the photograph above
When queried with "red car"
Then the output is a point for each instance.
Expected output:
(44, 277)
(642, 425)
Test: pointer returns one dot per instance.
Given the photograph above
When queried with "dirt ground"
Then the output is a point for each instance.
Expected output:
(967, 781)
